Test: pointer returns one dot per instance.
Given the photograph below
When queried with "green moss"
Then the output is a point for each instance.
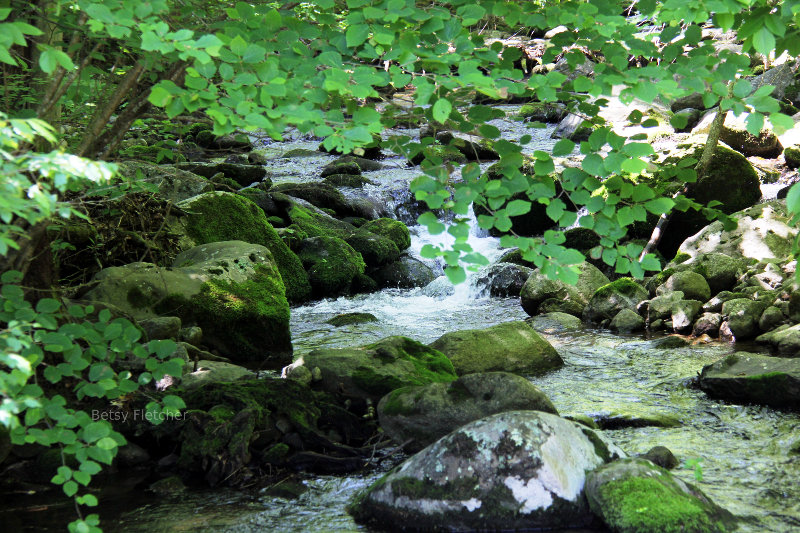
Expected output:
(376, 250)
(460, 488)
(139, 299)
(391, 229)
(316, 225)
(331, 264)
(645, 505)
(681, 257)
(394, 405)
(625, 286)
(376, 383)
(225, 217)
(276, 454)
(600, 447)
(780, 247)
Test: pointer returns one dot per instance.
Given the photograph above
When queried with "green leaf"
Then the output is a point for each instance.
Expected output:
(659, 206)
(70, 488)
(755, 123)
(764, 41)
(431, 222)
(95, 431)
(356, 35)
(455, 274)
(793, 199)
(441, 110)
(563, 147)
(159, 96)
(518, 207)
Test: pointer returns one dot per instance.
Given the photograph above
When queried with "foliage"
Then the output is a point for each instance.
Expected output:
(67, 349)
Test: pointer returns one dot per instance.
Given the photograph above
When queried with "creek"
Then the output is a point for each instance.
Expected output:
(742, 451)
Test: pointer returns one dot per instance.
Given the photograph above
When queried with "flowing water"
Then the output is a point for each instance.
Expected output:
(743, 451)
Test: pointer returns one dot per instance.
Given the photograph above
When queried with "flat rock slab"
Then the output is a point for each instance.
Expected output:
(751, 378)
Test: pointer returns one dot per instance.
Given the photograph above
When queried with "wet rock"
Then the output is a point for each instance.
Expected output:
(707, 324)
(391, 229)
(719, 270)
(692, 285)
(319, 194)
(424, 414)
(439, 288)
(734, 133)
(627, 321)
(511, 347)
(348, 319)
(513, 470)
(743, 315)
(162, 327)
(169, 486)
(371, 371)
(670, 342)
(751, 378)
(543, 112)
(780, 77)
(661, 456)
(131, 455)
(376, 250)
(693, 101)
(550, 323)
(612, 298)
(191, 335)
(792, 156)
(636, 496)
(539, 288)
(633, 417)
(714, 305)
(771, 318)
(405, 273)
(212, 371)
(347, 180)
(661, 306)
(504, 279)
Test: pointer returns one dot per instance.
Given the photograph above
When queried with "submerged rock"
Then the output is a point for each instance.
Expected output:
(635, 496)
(347, 319)
(424, 414)
(751, 378)
(550, 323)
(512, 470)
(510, 347)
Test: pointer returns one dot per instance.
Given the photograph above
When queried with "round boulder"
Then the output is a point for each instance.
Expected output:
(693, 285)
(612, 298)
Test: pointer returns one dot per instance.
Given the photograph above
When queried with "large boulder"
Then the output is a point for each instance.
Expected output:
(612, 298)
(734, 133)
(421, 415)
(222, 216)
(391, 229)
(633, 495)
(518, 470)
(173, 184)
(232, 290)
(730, 179)
(763, 232)
(243, 175)
(504, 279)
(376, 250)
(372, 371)
(510, 347)
(785, 341)
(752, 378)
(719, 270)
(331, 263)
(539, 288)
(405, 273)
(691, 284)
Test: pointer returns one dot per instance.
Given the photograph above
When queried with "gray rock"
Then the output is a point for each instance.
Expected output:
(660, 307)
(612, 298)
(572, 128)
(173, 184)
(743, 315)
(550, 323)
(693, 285)
(161, 327)
(683, 314)
(707, 324)
(661, 456)
(405, 273)
(627, 321)
(423, 414)
(751, 378)
(619, 491)
(510, 471)
(504, 279)
(786, 340)
(719, 270)
(510, 347)
(771, 318)
(212, 371)
(539, 288)
(780, 77)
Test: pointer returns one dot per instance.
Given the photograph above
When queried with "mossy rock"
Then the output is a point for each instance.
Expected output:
(369, 372)
(792, 156)
(405, 273)
(319, 194)
(220, 216)
(348, 319)
(746, 378)
(152, 154)
(347, 180)
(376, 250)
(540, 288)
(173, 184)
(636, 496)
(425, 413)
(331, 264)
(610, 299)
(243, 175)
(392, 229)
(511, 347)
(693, 285)
(299, 153)
(548, 113)
(438, 154)
(316, 223)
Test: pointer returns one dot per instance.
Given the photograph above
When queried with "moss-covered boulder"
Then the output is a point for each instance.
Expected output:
(691, 284)
(331, 263)
(232, 290)
(730, 179)
(313, 221)
(375, 249)
(549, 113)
(734, 133)
(517, 470)
(319, 194)
(438, 154)
(405, 273)
(391, 229)
(550, 323)
(420, 415)
(763, 232)
(627, 321)
(720, 271)
(635, 496)
(612, 298)
(348, 319)
(785, 341)
(538, 288)
(742, 316)
(347, 180)
(202, 372)
(220, 216)
(372, 371)
(753, 378)
(508, 347)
